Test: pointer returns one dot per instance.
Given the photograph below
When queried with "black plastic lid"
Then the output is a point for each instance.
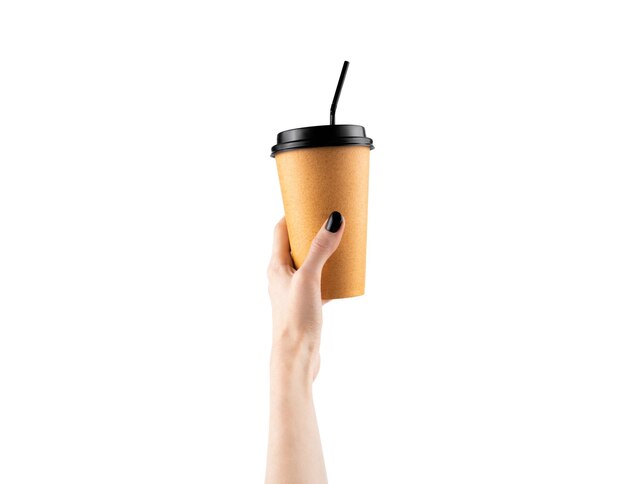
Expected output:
(327, 135)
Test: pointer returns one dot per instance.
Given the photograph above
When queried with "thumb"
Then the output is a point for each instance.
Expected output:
(325, 243)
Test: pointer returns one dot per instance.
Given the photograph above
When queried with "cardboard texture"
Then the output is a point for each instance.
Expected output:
(314, 182)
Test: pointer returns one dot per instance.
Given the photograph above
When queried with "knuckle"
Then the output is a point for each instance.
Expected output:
(321, 244)
(272, 268)
(276, 269)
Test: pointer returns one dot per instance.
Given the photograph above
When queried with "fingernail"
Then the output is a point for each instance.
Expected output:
(334, 222)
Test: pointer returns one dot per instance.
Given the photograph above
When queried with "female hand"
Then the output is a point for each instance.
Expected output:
(296, 296)
(295, 450)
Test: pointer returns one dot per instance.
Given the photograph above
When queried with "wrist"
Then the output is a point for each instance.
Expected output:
(293, 364)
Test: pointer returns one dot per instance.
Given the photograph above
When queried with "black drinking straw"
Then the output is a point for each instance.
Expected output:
(333, 106)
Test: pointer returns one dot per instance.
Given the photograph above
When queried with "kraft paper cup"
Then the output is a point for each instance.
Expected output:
(317, 180)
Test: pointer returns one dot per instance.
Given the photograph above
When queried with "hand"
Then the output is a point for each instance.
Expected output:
(294, 452)
(296, 299)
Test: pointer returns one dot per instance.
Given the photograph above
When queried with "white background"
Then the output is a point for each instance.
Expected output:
(138, 198)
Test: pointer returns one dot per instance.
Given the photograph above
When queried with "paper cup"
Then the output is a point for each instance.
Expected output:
(317, 180)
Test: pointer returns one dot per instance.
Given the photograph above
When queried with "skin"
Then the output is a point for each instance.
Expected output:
(295, 450)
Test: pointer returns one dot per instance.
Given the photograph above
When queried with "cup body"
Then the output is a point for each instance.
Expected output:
(315, 182)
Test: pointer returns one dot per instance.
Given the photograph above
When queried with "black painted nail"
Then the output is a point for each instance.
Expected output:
(334, 222)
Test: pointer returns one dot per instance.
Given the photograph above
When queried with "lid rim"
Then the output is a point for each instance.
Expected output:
(300, 146)
(319, 136)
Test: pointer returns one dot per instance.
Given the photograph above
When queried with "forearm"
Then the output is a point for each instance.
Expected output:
(295, 450)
